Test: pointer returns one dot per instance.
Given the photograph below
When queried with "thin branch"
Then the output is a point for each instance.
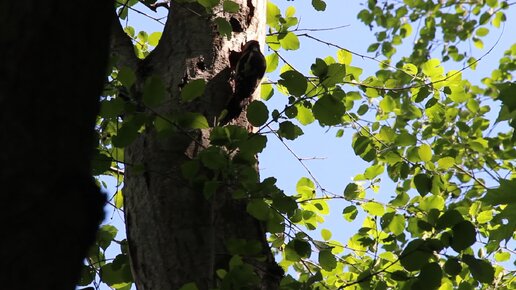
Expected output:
(143, 13)
(300, 160)
(312, 29)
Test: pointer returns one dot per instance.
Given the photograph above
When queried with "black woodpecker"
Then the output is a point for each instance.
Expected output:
(249, 72)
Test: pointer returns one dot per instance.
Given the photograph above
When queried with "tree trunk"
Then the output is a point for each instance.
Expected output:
(53, 57)
(176, 235)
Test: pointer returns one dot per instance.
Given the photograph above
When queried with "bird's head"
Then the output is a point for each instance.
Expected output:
(251, 45)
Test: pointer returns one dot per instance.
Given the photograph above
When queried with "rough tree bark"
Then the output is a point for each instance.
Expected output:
(53, 58)
(175, 234)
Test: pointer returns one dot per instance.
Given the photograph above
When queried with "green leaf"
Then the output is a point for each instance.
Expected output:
(328, 110)
(304, 115)
(478, 43)
(502, 256)
(449, 219)
(154, 91)
(327, 260)
(100, 163)
(126, 135)
(335, 75)
(350, 213)
(431, 202)
(259, 209)
(405, 139)
(284, 204)
(363, 148)
(373, 171)
(289, 41)
(192, 121)
(88, 274)
(482, 31)
(425, 152)
(105, 236)
(111, 108)
(481, 270)
(344, 56)
(223, 27)
(253, 145)
(272, 62)
(289, 131)
(214, 158)
(116, 277)
(208, 3)
(257, 113)
(126, 76)
(387, 104)
(397, 224)
(319, 5)
(373, 47)
(154, 38)
(410, 69)
(485, 216)
(399, 276)
(302, 248)
(452, 267)
(429, 277)
(445, 163)
(492, 3)
(433, 69)
(351, 191)
(503, 194)
(118, 199)
(374, 208)
(290, 11)
(273, 15)
(326, 234)
(267, 91)
(423, 183)
(193, 90)
(415, 255)
(306, 188)
(230, 6)
(142, 36)
(294, 81)
(464, 235)
(319, 68)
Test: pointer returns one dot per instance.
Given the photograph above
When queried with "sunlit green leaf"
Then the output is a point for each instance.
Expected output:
(425, 152)
(154, 38)
(374, 208)
(289, 41)
(350, 213)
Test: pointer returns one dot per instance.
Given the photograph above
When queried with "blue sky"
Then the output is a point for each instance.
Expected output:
(336, 163)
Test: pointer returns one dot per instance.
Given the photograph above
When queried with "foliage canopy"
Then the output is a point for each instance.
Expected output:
(452, 222)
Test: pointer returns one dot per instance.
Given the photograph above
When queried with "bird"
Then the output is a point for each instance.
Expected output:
(249, 71)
